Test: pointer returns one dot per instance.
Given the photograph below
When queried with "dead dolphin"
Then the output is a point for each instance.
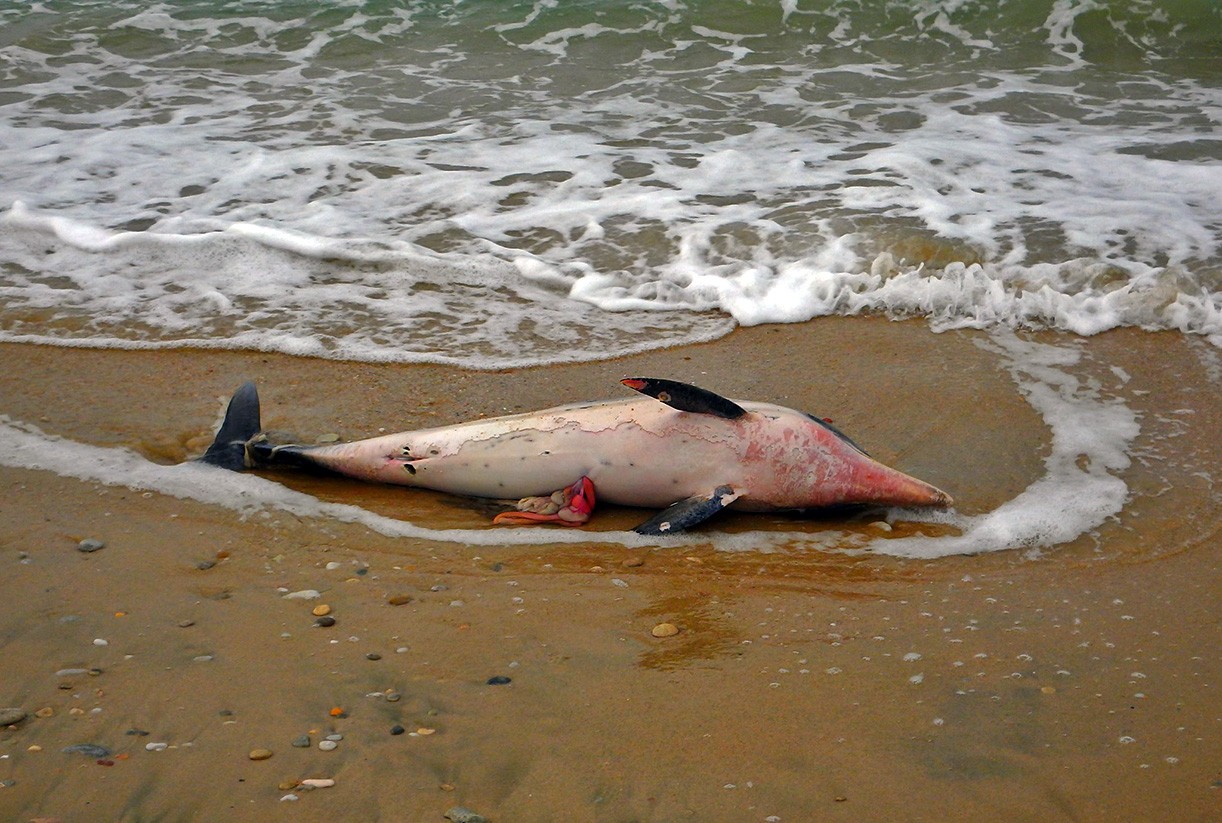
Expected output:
(681, 449)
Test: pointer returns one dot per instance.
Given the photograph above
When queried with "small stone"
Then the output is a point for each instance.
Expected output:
(461, 814)
(44, 712)
(399, 599)
(34, 747)
(632, 562)
(325, 622)
(101, 641)
(204, 565)
(90, 544)
(664, 630)
(13, 716)
(397, 729)
(88, 749)
(336, 737)
(185, 624)
(1048, 689)
(329, 437)
(289, 797)
(287, 785)
(321, 610)
(499, 680)
(373, 656)
(260, 754)
(136, 733)
(327, 745)
(425, 731)
(393, 697)
(338, 711)
(317, 783)
(302, 742)
(304, 594)
(156, 747)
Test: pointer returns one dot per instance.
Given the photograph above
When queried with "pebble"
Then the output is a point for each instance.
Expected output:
(88, 749)
(499, 680)
(71, 672)
(136, 733)
(327, 745)
(664, 630)
(399, 599)
(333, 565)
(393, 697)
(302, 742)
(289, 797)
(317, 783)
(373, 656)
(287, 785)
(44, 712)
(622, 584)
(336, 737)
(633, 562)
(156, 747)
(9, 717)
(101, 641)
(425, 731)
(304, 594)
(461, 814)
(90, 544)
(325, 622)
(185, 624)
(260, 754)
(397, 730)
(321, 610)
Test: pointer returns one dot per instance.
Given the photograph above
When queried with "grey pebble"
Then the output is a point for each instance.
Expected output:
(88, 749)
(302, 742)
(204, 565)
(71, 672)
(12, 716)
(336, 737)
(89, 544)
(327, 745)
(461, 814)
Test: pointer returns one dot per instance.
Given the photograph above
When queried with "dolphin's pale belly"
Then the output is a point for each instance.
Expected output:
(636, 454)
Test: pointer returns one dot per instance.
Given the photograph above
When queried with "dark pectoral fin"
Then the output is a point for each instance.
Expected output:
(687, 513)
(685, 397)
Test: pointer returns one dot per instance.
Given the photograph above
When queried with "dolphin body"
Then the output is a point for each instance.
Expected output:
(679, 448)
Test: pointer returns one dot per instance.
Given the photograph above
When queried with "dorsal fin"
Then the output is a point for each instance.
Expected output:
(685, 397)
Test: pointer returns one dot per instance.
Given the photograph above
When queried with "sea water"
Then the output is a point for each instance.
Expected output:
(498, 184)
(494, 184)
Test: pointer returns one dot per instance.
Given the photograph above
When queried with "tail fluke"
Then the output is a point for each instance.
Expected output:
(241, 423)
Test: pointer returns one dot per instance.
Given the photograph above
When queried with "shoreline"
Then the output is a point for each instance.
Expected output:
(1070, 684)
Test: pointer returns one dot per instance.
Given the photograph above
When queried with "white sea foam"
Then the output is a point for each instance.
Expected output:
(1079, 491)
(428, 183)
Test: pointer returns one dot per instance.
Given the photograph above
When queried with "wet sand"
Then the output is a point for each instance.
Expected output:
(1078, 683)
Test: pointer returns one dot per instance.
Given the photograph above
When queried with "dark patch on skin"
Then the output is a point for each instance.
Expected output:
(410, 468)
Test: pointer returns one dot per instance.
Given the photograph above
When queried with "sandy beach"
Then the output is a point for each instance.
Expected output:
(1074, 683)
